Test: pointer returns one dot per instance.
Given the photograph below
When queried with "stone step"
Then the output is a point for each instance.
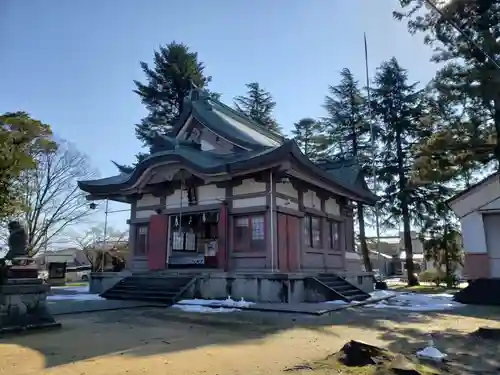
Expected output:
(343, 288)
(350, 292)
(132, 292)
(339, 286)
(153, 288)
(120, 296)
(157, 288)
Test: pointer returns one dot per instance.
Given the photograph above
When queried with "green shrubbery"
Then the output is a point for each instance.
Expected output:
(439, 277)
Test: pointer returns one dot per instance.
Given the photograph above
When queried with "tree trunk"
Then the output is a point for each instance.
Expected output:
(362, 240)
(449, 276)
(410, 269)
(447, 265)
(496, 120)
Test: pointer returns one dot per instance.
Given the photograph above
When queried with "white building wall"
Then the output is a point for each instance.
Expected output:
(144, 214)
(286, 189)
(148, 200)
(477, 199)
(492, 206)
(473, 237)
(286, 203)
(174, 200)
(311, 200)
(249, 202)
(249, 186)
(332, 207)
(211, 194)
(207, 194)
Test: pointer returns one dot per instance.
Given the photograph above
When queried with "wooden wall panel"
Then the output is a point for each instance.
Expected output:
(157, 242)
(223, 236)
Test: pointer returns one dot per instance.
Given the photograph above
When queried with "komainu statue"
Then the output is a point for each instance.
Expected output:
(18, 241)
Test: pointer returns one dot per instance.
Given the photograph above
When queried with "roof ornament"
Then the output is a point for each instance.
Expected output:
(197, 93)
(124, 169)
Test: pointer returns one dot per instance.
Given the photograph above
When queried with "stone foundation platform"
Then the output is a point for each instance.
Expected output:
(255, 286)
(23, 306)
(265, 287)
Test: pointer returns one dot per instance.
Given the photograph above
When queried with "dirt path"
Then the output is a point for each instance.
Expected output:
(152, 341)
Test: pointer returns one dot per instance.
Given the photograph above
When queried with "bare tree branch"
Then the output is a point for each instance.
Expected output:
(51, 198)
(95, 245)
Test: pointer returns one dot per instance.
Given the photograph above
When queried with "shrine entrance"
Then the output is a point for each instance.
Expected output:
(193, 240)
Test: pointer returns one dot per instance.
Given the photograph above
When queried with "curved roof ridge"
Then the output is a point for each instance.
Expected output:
(255, 125)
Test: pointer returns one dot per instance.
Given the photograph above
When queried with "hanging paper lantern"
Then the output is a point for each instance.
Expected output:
(176, 222)
(204, 217)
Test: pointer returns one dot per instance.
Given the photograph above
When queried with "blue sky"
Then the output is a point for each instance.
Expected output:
(71, 63)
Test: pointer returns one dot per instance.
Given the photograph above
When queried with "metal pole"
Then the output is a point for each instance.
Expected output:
(105, 234)
(373, 145)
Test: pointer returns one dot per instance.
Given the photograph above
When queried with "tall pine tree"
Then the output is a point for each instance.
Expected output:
(468, 80)
(400, 108)
(258, 104)
(348, 129)
(442, 241)
(308, 133)
(174, 72)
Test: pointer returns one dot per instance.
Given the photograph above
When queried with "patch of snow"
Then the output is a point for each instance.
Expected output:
(430, 352)
(74, 297)
(212, 305)
(418, 302)
(204, 309)
(381, 294)
(405, 301)
(337, 302)
(228, 302)
(373, 296)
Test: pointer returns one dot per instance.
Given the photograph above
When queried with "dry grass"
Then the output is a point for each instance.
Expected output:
(425, 289)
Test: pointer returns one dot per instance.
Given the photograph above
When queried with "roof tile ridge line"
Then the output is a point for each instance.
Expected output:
(334, 159)
(225, 136)
(257, 126)
(341, 165)
(181, 118)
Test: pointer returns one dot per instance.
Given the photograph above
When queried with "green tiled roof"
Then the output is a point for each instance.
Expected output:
(205, 109)
(207, 162)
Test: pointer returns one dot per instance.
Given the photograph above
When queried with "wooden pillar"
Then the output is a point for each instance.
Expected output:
(157, 242)
(293, 231)
(223, 238)
(283, 245)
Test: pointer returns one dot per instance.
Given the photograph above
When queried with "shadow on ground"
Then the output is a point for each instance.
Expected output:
(150, 331)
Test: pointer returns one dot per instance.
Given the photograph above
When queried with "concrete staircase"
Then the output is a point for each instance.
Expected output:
(150, 287)
(336, 288)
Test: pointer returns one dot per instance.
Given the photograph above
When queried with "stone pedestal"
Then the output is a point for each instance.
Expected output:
(23, 306)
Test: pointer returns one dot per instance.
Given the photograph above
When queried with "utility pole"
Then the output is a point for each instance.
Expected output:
(105, 234)
(373, 146)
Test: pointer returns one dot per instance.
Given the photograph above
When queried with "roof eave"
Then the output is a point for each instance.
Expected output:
(369, 198)
(460, 195)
